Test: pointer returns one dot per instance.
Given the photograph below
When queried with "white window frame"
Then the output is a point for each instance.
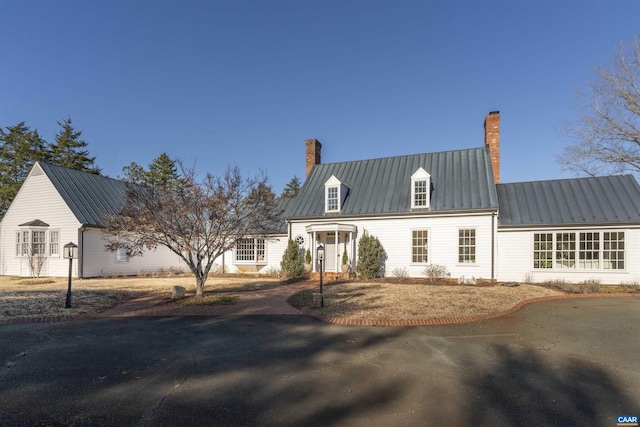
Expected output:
(582, 250)
(333, 194)
(121, 255)
(420, 189)
(467, 239)
(250, 250)
(54, 244)
(25, 238)
(423, 257)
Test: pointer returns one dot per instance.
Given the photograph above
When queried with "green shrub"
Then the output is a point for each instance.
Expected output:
(307, 257)
(370, 257)
(345, 258)
(291, 265)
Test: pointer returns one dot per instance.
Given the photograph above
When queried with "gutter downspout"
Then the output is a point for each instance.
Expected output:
(493, 246)
(81, 253)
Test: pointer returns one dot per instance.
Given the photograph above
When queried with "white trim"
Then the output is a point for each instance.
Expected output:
(421, 176)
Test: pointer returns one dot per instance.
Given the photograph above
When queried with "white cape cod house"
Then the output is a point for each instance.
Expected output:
(449, 209)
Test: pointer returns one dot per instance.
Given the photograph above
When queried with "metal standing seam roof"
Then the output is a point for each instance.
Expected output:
(460, 180)
(89, 196)
(594, 200)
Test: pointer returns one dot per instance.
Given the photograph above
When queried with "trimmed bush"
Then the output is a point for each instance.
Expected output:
(291, 264)
(370, 257)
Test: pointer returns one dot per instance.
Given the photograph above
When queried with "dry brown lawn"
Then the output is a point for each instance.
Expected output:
(382, 301)
(22, 298)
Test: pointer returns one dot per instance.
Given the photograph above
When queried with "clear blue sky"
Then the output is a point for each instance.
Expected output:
(244, 83)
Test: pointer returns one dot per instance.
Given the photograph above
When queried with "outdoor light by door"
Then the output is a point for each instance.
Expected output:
(320, 254)
(70, 252)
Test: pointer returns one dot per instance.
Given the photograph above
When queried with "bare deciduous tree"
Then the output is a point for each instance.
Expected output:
(36, 260)
(198, 221)
(607, 135)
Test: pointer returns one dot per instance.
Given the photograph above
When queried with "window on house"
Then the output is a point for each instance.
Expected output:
(54, 242)
(420, 246)
(566, 250)
(121, 255)
(613, 250)
(589, 253)
(467, 246)
(332, 199)
(592, 250)
(22, 243)
(420, 189)
(250, 250)
(420, 193)
(543, 250)
(38, 242)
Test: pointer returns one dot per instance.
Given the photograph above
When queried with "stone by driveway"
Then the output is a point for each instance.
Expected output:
(564, 362)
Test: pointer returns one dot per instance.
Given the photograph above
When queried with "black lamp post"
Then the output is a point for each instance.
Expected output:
(70, 251)
(320, 254)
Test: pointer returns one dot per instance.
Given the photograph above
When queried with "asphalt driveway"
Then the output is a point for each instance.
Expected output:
(564, 362)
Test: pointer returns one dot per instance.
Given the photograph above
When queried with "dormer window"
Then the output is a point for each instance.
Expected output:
(332, 199)
(420, 189)
(334, 195)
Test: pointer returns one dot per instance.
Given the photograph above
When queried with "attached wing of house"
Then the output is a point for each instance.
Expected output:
(570, 229)
(56, 205)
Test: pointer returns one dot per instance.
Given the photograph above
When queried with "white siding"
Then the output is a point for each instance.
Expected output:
(515, 259)
(96, 261)
(37, 199)
(395, 235)
(274, 245)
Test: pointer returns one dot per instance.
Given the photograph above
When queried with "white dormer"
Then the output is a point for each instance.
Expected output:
(334, 194)
(420, 189)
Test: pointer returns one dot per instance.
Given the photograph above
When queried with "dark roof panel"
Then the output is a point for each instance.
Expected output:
(601, 200)
(89, 196)
(460, 179)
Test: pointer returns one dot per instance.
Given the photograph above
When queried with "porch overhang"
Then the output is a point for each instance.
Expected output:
(332, 226)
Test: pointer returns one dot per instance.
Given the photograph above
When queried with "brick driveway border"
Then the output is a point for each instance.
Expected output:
(274, 302)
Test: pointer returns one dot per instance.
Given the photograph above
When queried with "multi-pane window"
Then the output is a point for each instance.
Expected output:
(565, 250)
(332, 199)
(543, 250)
(420, 246)
(467, 246)
(54, 242)
(250, 250)
(121, 255)
(22, 243)
(613, 250)
(38, 242)
(589, 253)
(420, 189)
(589, 250)
(35, 242)
(420, 193)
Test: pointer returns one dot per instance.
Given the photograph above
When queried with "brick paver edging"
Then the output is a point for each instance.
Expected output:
(452, 320)
(364, 322)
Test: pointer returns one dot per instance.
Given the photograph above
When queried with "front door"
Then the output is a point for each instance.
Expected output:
(330, 252)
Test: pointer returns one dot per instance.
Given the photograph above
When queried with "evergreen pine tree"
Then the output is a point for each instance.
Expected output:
(162, 173)
(292, 189)
(68, 149)
(20, 148)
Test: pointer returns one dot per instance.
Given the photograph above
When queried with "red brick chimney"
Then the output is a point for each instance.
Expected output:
(313, 153)
(492, 141)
